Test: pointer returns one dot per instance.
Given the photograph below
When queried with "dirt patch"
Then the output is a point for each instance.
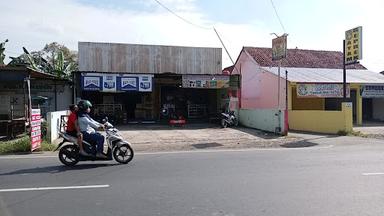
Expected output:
(192, 137)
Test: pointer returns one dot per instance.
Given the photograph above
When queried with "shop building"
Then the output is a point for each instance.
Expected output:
(46, 91)
(149, 83)
(310, 98)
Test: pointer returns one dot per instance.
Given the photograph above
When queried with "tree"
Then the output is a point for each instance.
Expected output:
(2, 49)
(54, 58)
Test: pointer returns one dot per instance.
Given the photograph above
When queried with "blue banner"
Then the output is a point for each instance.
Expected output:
(127, 83)
(91, 83)
(116, 82)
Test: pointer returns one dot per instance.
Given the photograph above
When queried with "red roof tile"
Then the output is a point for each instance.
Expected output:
(228, 70)
(301, 58)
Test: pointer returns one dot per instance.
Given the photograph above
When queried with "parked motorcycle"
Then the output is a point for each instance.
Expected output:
(228, 119)
(117, 148)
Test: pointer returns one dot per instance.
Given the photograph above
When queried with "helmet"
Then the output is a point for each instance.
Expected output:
(84, 105)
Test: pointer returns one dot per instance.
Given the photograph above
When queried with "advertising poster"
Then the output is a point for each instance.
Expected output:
(145, 83)
(91, 83)
(129, 84)
(35, 129)
(109, 83)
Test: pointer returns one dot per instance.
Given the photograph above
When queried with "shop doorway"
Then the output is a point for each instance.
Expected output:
(196, 105)
(367, 109)
(122, 107)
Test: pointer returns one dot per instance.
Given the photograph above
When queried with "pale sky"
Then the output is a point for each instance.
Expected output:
(311, 24)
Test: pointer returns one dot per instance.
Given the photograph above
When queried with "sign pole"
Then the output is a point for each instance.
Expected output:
(279, 51)
(344, 75)
(278, 98)
(278, 86)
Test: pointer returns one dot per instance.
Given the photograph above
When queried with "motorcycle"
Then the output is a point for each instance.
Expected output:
(115, 148)
(228, 119)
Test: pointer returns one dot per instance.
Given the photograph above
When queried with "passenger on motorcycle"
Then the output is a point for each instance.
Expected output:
(88, 127)
(73, 128)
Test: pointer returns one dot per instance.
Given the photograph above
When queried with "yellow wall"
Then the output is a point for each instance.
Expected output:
(358, 103)
(306, 103)
(321, 121)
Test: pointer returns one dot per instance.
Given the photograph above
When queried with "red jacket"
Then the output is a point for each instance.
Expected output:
(71, 122)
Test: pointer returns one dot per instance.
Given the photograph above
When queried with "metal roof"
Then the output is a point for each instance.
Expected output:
(324, 75)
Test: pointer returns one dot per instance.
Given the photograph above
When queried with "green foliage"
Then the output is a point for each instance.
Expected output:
(342, 133)
(54, 59)
(23, 145)
(19, 145)
(47, 146)
(2, 49)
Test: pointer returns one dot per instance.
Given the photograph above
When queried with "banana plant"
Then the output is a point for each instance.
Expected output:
(62, 68)
(2, 49)
(57, 66)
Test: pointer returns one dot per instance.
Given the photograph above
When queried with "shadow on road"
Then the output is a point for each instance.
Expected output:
(55, 169)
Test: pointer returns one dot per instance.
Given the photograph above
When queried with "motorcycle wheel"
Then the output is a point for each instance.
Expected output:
(123, 153)
(224, 123)
(69, 155)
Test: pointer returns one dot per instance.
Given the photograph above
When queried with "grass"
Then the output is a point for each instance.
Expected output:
(23, 145)
(352, 133)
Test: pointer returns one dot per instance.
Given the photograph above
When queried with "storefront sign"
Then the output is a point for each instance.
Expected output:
(205, 81)
(145, 83)
(372, 91)
(128, 84)
(91, 83)
(279, 48)
(116, 82)
(353, 45)
(321, 90)
(109, 83)
(35, 129)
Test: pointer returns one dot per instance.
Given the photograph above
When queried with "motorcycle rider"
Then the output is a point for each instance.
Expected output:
(88, 127)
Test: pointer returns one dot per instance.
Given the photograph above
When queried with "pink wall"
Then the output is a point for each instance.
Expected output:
(258, 87)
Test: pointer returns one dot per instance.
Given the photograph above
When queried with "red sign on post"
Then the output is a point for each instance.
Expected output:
(35, 129)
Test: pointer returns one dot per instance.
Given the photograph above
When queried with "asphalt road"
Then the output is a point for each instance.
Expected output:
(340, 176)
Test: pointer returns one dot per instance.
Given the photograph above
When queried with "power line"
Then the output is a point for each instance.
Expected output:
(202, 27)
(225, 48)
(277, 15)
(180, 17)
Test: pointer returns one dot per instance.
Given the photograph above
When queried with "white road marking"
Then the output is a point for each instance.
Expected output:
(372, 174)
(53, 188)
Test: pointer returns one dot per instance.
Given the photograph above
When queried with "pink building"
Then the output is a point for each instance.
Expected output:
(264, 100)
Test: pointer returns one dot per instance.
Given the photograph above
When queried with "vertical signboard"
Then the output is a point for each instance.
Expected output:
(109, 83)
(145, 83)
(279, 48)
(353, 45)
(35, 129)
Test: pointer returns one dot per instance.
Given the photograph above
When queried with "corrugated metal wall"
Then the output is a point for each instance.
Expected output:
(152, 59)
